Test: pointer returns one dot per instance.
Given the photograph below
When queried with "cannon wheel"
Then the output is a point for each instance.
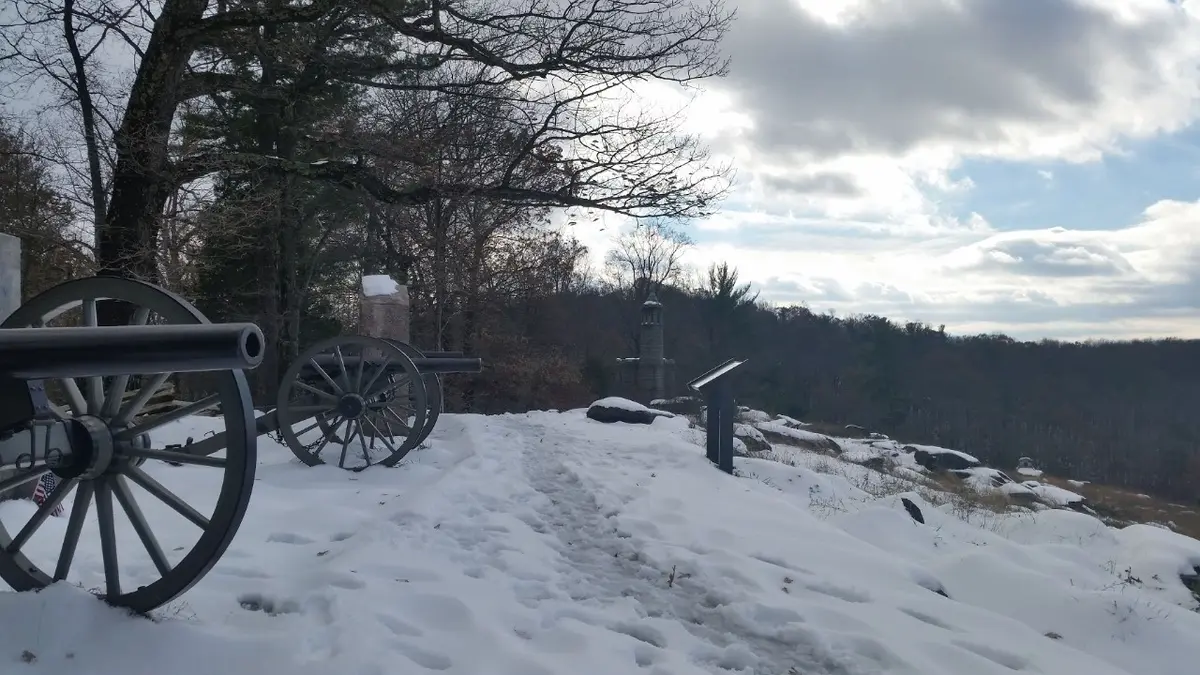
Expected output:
(359, 402)
(179, 569)
(433, 392)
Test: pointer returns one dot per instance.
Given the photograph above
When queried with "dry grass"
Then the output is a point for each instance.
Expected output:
(963, 497)
(985, 510)
(1122, 507)
(1116, 506)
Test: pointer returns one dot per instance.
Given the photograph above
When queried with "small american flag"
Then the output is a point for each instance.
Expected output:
(44, 487)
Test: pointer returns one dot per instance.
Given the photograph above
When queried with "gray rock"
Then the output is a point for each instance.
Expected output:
(942, 461)
(613, 409)
(752, 438)
(680, 405)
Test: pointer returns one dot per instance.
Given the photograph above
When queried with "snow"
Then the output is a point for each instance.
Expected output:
(935, 450)
(1052, 494)
(985, 478)
(1028, 471)
(379, 284)
(674, 400)
(748, 431)
(715, 374)
(789, 432)
(753, 416)
(549, 543)
(624, 404)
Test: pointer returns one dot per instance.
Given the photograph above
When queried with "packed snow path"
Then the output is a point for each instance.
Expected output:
(547, 543)
(603, 568)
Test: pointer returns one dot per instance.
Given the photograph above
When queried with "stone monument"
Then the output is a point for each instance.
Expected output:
(649, 375)
(383, 309)
(10, 299)
(10, 275)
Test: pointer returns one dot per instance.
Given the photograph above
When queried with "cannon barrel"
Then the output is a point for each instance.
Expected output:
(450, 364)
(39, 353)
(438, 365)
(443, 355)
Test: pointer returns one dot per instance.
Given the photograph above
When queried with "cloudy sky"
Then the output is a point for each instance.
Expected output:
(1024, 166)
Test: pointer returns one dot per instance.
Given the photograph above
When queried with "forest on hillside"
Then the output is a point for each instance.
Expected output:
(260, 156)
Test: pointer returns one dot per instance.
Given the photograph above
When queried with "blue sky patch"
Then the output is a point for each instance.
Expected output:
(1106, 195)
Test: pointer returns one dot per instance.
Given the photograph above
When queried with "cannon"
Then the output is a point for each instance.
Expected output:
(369, 399)
(408, 379)
(91, 443)
(373, 400)
(75, 419)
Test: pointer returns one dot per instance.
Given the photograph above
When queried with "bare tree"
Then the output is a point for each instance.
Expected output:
(647, 257)
(32, 209)
(59, 58)
(565, 53)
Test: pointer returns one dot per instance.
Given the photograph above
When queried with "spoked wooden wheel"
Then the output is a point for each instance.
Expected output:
(196, 506)
(359, 397)
(387, 426)
(433, 392)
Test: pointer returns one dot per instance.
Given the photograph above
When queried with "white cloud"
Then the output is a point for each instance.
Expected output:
(1140, 280)
(1004, 78)
(891, 95)
(848, 118)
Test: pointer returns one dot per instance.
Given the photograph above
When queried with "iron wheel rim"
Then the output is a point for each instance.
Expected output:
(237, 480)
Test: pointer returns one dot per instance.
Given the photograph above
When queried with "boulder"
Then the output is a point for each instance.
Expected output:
(680, 405)
(776, 432)
(791, 422)
(752, 416)
(914, 511)
(984, 476)
(752, 438)
(879, 463)
(616, 409)
(1192, 581)
(739, 448)
(943, 461)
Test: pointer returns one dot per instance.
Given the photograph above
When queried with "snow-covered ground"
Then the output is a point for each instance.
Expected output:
(547, 543)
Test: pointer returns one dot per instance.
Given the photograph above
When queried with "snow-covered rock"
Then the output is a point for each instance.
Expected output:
(792, 421)
(778, 432)
(751, 416)
(752, 438)
(617, 409)
(935, 458)
(680, 405)
(1053, 495)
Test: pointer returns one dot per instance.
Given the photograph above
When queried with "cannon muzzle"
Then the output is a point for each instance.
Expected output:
(40, 353)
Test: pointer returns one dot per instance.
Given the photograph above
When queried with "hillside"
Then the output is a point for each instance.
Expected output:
(547, 543)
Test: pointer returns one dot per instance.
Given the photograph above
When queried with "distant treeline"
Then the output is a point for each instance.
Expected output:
(1122, 413)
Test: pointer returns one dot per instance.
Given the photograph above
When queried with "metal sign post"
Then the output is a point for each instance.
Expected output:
(718, 394)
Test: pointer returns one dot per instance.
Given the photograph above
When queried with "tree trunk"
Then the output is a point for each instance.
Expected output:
(141, 181)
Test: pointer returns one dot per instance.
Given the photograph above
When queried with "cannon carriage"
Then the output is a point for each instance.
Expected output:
(75, 423)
